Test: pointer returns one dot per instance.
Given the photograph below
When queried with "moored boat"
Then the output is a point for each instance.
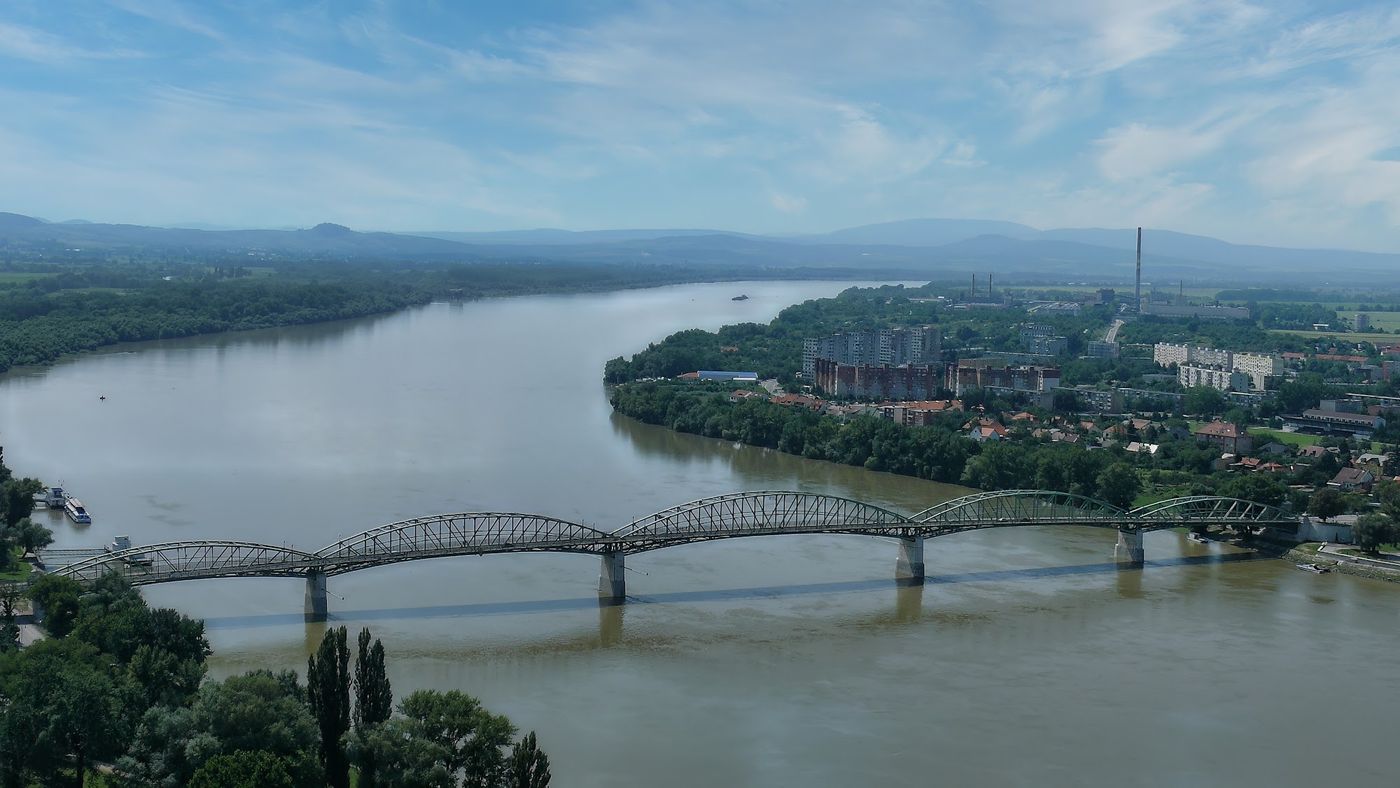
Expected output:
(76, 511)
(1315, 568)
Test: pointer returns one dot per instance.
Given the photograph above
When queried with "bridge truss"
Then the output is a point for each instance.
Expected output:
(762, 513)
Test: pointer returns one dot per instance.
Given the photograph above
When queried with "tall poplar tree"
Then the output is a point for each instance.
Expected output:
(328, 693)
(374, 698)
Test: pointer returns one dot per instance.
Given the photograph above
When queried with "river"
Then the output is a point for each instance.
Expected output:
(1028, 659)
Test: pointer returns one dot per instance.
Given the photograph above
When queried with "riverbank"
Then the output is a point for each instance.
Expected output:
(80, 309)
(1312, 553)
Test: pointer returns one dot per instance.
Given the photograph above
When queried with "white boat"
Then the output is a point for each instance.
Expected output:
(75, 511)
(1198, 538)
(1314, 568)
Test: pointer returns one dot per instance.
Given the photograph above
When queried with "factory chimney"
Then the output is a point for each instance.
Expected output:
(989, 288)
(1137, 289)
(972, 294)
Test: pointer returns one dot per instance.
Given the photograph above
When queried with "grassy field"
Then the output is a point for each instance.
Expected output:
(1379, 320)
(1343, 336)
(20, 277)
(1287, 438)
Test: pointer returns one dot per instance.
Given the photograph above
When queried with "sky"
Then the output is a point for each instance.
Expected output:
(1273, 122)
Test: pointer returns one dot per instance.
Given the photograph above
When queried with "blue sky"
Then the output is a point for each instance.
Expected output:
(1272, 122)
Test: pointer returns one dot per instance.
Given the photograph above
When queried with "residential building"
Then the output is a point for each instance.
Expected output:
(1348, 479)
(917, 346)
(1230, 437)
(1258, 366)
(1362, 322)
(1101, 400)
(877, 382)
(1222, 378)
(973, 373)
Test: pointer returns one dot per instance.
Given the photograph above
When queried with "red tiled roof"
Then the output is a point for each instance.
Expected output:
(1220, 429)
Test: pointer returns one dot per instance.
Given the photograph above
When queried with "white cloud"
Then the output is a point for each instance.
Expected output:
(787, 203)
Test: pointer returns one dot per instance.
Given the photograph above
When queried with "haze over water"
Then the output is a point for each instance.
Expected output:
(1028, 659)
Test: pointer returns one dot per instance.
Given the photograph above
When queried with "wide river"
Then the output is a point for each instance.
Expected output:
(1028, 659)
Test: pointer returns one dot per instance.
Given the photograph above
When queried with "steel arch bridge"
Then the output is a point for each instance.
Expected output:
(744, 514)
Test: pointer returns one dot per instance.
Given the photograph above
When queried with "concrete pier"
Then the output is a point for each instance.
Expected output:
(612, 580)
(316, 596)
(1129, 550)
(909, 568)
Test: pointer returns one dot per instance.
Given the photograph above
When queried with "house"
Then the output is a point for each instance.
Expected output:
(1230, 437)
(799, 400)
(1349, 479)
(1315, 452)
(1271, 467)
(741, 395)
(1276, 449)
(1371, 462)
(1136, 447)
(984, 429)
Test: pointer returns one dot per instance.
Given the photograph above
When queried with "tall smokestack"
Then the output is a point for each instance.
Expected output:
(972, 294)
(989, 287)
(1137, 289)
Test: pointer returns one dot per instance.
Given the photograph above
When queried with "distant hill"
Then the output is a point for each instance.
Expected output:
(933, 247)
(561, 237)
(921, 232)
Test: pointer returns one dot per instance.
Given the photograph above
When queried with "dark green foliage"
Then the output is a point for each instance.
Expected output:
(1259, 487)
(57, 597)
(61, 709)
(442, 738)
(1373, 530)
(1326, 503)
(1119, 484)
(9, 624)
(328, 695)
(374, 698)
(529, 766)
(244, 769)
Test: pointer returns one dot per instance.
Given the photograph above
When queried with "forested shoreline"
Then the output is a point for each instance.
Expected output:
(48, 311)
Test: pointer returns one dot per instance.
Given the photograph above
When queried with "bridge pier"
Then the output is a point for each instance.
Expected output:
(1129, 550)
(612, 580)
(316, 609)
(909, 568)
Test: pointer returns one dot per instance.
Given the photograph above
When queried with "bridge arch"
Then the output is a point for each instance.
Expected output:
(1204, 509)
(193, 560)
(467, 533)
(758, 513)
(1020, 507)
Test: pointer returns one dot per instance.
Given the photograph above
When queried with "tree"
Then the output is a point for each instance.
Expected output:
(258, 711)
(244, 769)
(374, 698)
(1119, 485)
(473, 738)
(399, 757)
(9, 624)
(529, 766)
(57, 597)
(1389, 495)
(1373, 530)
(328, 695)
(1326, 503)
(1257, 487)
(1203, 400)
(17, 498)
(29, 535)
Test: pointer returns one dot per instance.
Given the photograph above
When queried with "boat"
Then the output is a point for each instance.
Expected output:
(1315, 568)
(740, 297)
(123, 542)
(1198, 538)
(52, 498)
(75, 511)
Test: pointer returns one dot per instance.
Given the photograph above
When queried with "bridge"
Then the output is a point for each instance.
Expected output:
(744, 514)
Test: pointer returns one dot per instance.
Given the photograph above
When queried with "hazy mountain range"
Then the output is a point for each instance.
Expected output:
(925, 246)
